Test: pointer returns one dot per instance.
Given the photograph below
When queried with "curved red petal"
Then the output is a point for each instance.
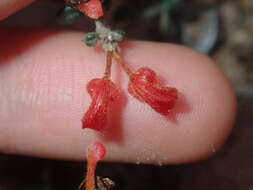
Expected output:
(102, 91)
(144, 86)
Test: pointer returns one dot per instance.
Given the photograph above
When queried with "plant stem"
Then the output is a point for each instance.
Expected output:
(120, 61)
(107, 73)
(90, 176)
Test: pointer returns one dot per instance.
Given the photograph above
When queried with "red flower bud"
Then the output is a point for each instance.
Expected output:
(144, 86)
(102, 91)
(92, 8)
(95, 153)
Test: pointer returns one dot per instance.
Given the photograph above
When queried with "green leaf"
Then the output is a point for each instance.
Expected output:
(91, 39)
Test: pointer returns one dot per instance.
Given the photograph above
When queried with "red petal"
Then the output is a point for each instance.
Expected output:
(144, 86)
(92, 8)
(102, 91)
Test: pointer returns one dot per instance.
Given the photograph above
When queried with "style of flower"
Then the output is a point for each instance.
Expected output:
(102, 92)
(144, 86)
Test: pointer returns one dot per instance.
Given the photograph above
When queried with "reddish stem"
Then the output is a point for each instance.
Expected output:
(121, 62)
(107, 73)
(90, 177)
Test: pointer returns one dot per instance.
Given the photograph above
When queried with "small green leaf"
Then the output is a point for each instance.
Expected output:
(118, 35)
(91, 39)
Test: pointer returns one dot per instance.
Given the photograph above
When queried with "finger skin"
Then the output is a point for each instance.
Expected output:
(8, 7)
(43, 78)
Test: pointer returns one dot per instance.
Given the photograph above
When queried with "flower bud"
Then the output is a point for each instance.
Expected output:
(92, 8)
(144, 86)
(95, 153)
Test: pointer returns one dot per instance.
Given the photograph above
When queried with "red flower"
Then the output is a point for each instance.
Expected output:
(95, 153)
(144, 86)
(102, 91)
(92, 8)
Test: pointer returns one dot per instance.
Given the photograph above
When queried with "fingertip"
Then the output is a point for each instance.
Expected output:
(217, 108)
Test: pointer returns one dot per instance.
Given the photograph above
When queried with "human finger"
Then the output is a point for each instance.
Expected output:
(43, 75)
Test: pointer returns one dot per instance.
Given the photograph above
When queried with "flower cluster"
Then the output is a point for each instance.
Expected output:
(143, 85)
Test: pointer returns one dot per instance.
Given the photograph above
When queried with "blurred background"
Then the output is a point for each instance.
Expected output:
(221, 29)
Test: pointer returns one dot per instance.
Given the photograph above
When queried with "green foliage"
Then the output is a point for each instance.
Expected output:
(166, 7)
(69, 15)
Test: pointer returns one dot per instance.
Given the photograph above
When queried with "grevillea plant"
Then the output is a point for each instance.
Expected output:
(143, 85)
